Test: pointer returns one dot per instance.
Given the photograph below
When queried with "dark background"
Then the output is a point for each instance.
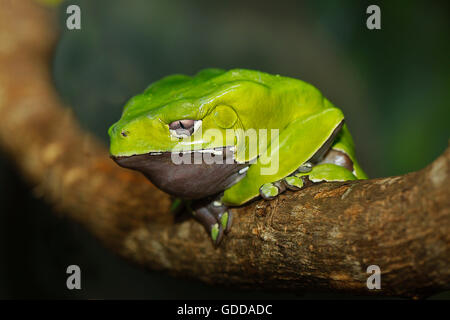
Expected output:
(393, 85)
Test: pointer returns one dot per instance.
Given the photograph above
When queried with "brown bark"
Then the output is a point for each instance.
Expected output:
(322, 238)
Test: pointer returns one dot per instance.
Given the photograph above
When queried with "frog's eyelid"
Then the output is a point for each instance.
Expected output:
(181, 131)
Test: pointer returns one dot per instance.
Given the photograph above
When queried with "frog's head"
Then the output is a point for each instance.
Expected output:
(195, 115)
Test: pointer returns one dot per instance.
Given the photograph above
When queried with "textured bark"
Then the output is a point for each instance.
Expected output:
(322, 238)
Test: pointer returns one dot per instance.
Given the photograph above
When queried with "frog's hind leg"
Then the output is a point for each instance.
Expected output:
(335, 165)
(326, 172)
(300, 142)
(270, 190)
(215, 217)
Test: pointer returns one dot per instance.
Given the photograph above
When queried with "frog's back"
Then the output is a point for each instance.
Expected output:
(289, 98)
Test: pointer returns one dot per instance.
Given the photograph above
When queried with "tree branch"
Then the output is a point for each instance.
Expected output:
(322, 238)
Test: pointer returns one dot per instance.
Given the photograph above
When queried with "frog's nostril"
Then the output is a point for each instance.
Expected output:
(124, 133)
(184, 128)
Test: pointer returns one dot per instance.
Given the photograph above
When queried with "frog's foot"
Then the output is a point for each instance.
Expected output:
(299, 179)
(320, 173)
(269, 191)
(307, 175)
(215, 217)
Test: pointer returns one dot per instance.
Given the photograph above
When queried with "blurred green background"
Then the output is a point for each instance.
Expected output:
(393, 85)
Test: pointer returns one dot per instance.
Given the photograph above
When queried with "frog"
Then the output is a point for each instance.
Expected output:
(189, 135)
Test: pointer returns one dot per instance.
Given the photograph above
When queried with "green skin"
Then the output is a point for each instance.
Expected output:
(240, 99)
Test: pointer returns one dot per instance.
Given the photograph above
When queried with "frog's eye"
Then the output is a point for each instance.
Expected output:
(184, 128)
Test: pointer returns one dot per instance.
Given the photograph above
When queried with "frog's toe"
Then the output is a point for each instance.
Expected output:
(268, 191)
(216, 233)
(294, 183)
(209, 221)
(215, 217)
(305, 168)
(222, 214)
(226, 220)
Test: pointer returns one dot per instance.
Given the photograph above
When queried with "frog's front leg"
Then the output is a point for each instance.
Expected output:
(215, 217)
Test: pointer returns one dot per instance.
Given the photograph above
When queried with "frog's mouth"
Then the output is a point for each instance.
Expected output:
(192, 179)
